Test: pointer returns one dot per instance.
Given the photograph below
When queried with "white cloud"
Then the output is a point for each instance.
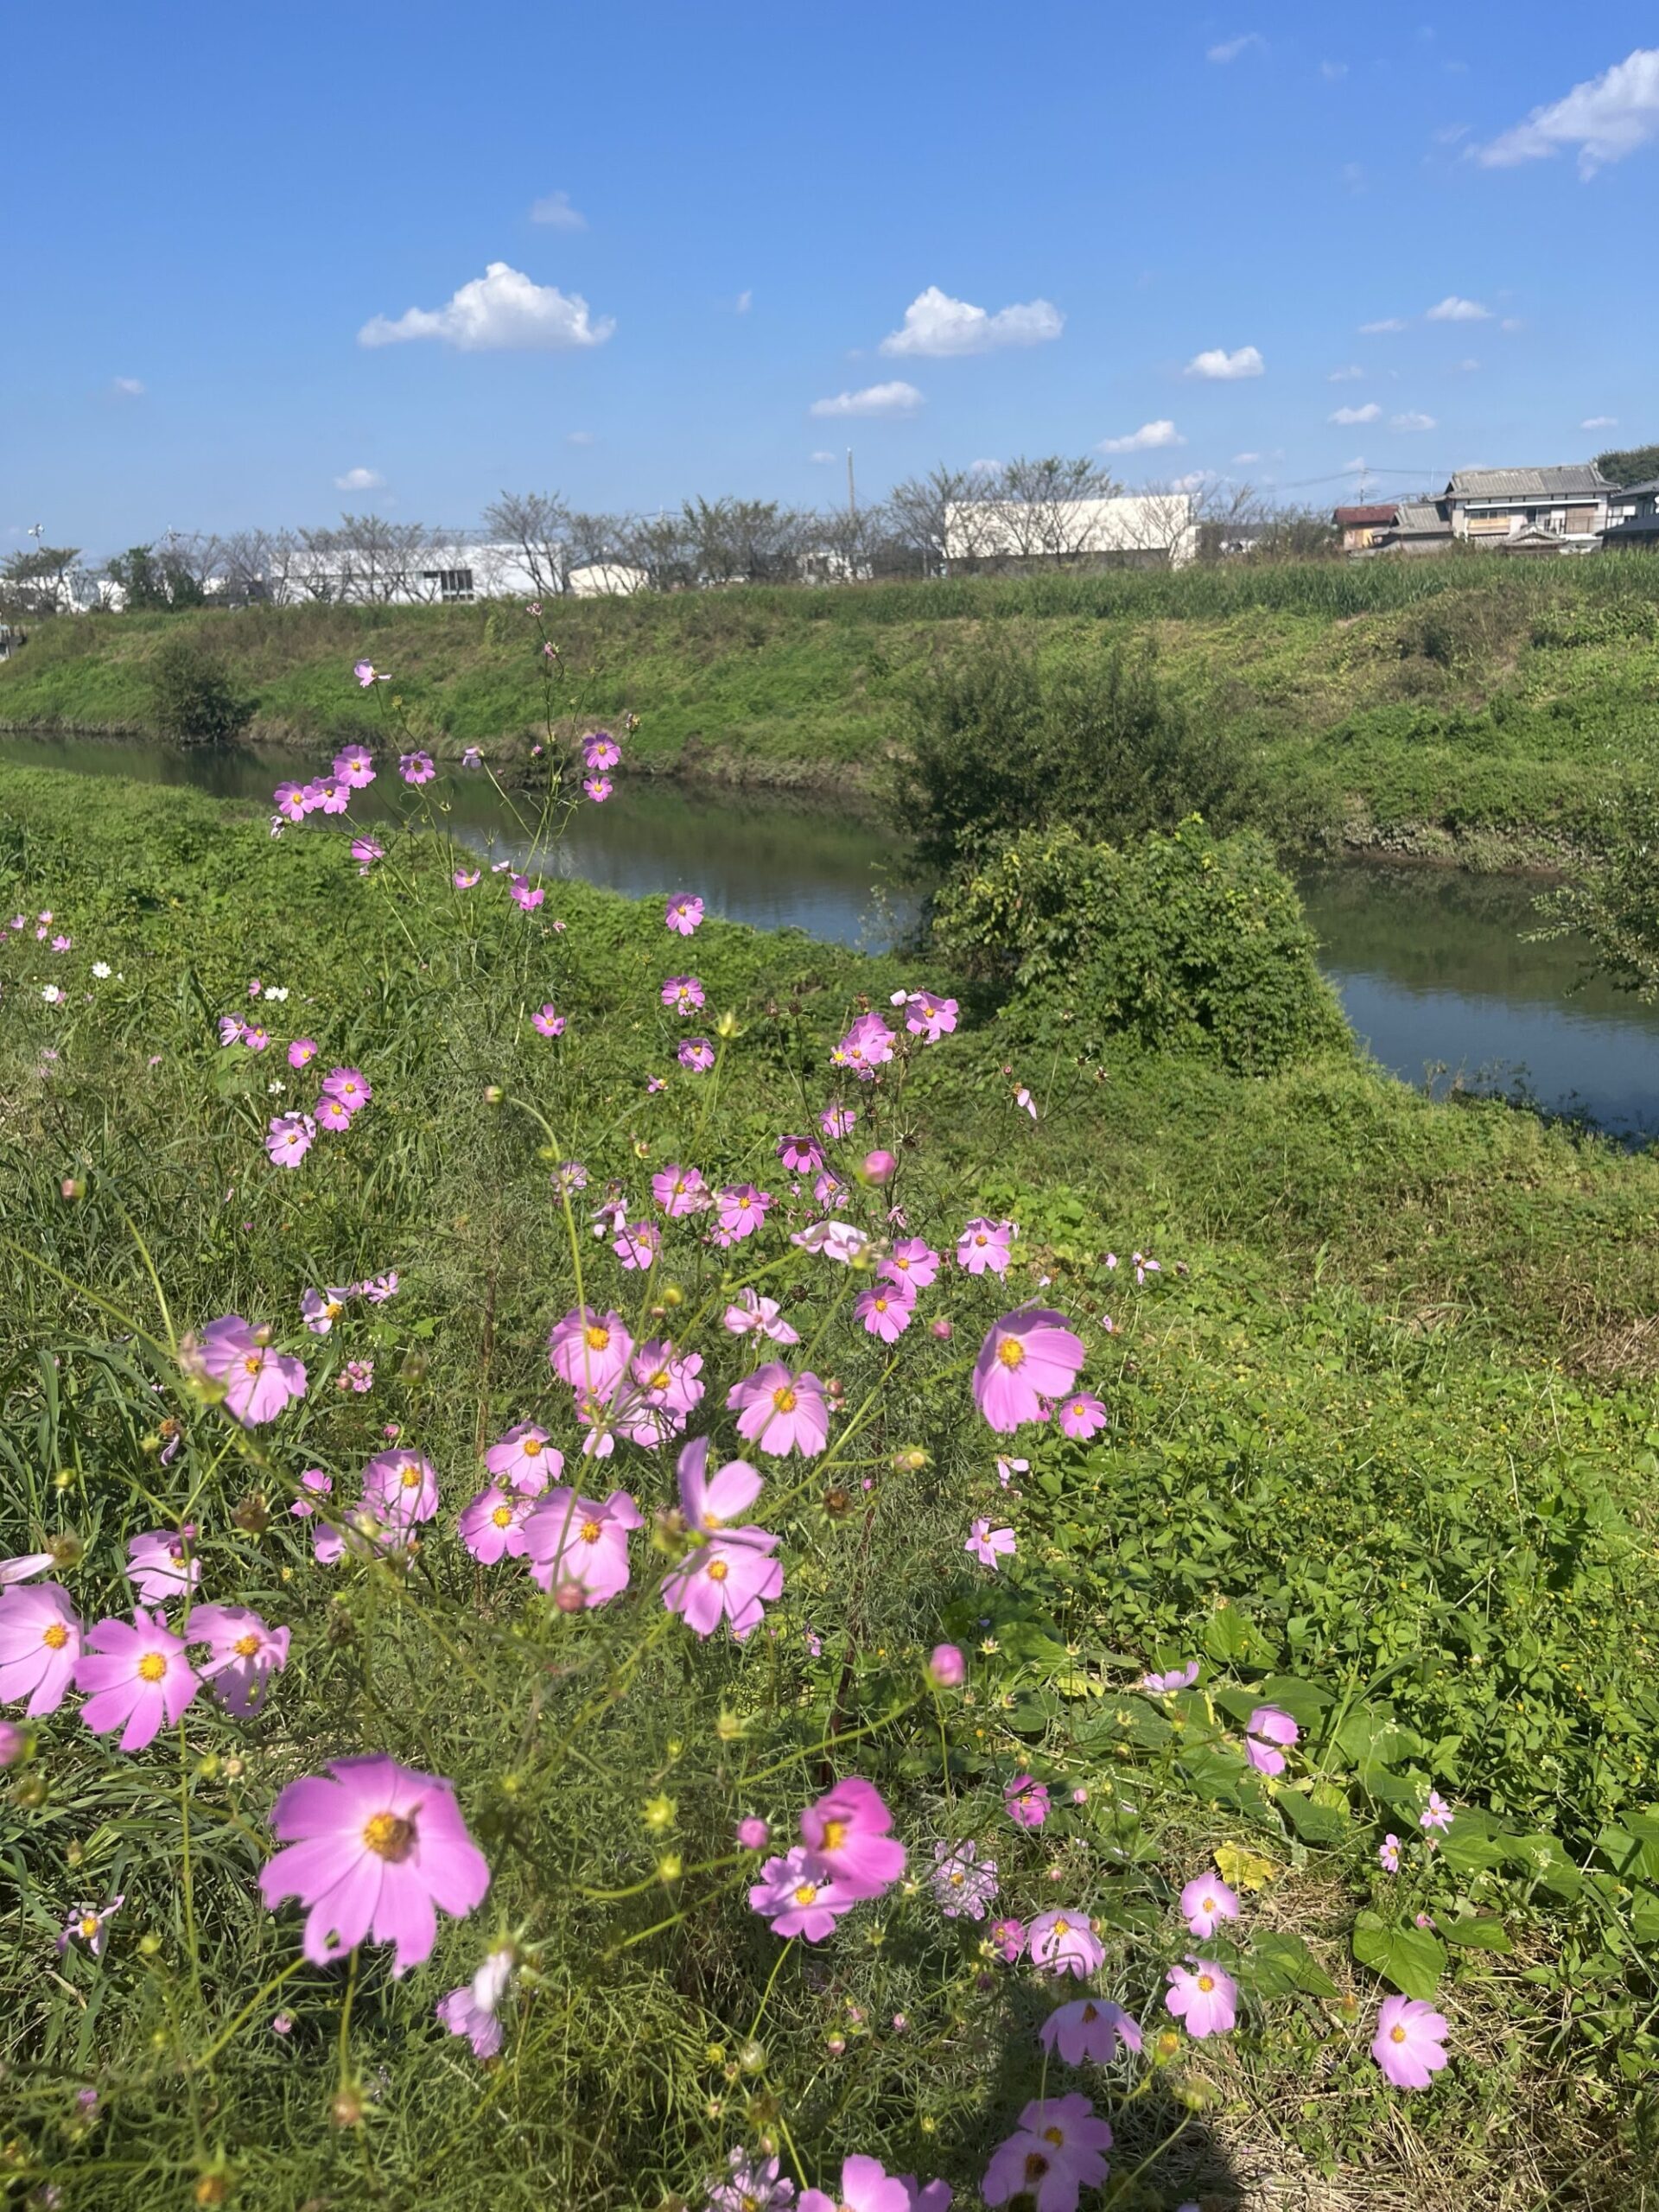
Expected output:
(1376, 329)
(1606, 118)
(1468, 366)
(579, 438)
(1194, 481)
(1345, 375)
(895, 398)
(1219, 363)
(1412, 421)
(557, 212)
(1334, 71)
(360, 480)
(935, 325)
(1357, 466)
(744, 301)
(1512, 323)
(1147, 439)
(1368, 413)
(1599, 422)
(983, 467)
(500, 311)
(826, 458)
(1230, 48)
(1453, 310)
(1244, 459)
(127, 387)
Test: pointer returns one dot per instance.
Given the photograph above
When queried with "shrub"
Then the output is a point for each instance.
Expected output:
(1000, 742)
(1189, 942)
(192, 697)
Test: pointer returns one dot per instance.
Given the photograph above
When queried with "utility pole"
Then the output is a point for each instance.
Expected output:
(852, 495)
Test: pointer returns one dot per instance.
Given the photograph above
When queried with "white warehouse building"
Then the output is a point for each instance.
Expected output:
(1146, 529)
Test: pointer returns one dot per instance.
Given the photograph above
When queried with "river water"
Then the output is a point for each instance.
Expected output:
(1431, 965)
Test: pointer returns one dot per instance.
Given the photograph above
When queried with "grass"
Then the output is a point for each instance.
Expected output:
(1370, 1454)
(1470, 706)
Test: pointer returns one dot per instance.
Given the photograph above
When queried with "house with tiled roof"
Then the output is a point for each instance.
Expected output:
(1550, 510)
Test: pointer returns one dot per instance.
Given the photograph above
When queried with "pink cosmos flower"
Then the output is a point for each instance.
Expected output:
(492, 1526)
(40, 1644)
(1206, 1904)
(328, 794)
(334, 1115)
(1437, 1814)
(683, 914)
(598, 788)
(161, 1566)
(885, 1308)
(749, 1314)
(242, 1656)
(289, 1138)
(230, 1029)
(1266, 1729)
(638, 1247)
(1178, 1678)
(548, 1021)
(1410, 2041)
(321, 1309)
(833, 1240)
(1052, 2156)
(1010, 1938)
(866, 2186)
(1080, 1415)
(741, 1209)
(1066, 1943)
(579, 1545)
(464, 878)
(733, 1577)
(837, 1121)
(401, 1488)
(663, 1388)
(684, 993)
(290, 802)
(1089, 2030)
(363, 671)
(1388, 1855)
(987, 1544)
(258, 1382)
(350, 1085)
(913, 1261)
(134, 1676)
(1204, 1997)
(928, 1017)
(416, 767)
(751, 1833)
(963, 1881)
(798, 1896)
(302, 1052)
(354, 767)
(600, 750)
(752, 2184)
(373, 1853)
(946, 1667)
(847, 1832)
(697, 1054)
(866, 1046)
(87, 1924)
(1025, 1801)
(985, 1244)
(525, 894)
(590, 1350)
(781, 1411)
(472, 2010)
(1028, 1358)
(378, 1288)
(23, 1569)
(365, 851)
(679, 1191)
(525, 1459)
(800, 1155)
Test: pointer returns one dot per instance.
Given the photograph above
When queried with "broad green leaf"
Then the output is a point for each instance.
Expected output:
(1477, 1932)
(1278, 1962)
(1412, 1959)
(1318, 1824)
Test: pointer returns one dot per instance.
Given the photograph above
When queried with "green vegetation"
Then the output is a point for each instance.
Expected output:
(1382, 1451)
(192, 699)
(1473, 706)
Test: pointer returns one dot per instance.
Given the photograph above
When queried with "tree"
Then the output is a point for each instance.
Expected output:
(538, 525)
(921, 508)
(1634, 465)
(660, 544)
(192, 697)
(40, 582)
(1614, 901)
(152, 578)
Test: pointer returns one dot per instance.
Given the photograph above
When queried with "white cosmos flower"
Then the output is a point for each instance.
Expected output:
(100, 969)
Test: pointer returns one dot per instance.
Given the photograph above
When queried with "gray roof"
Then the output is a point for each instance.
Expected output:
(1421, 514)
(1578, 480)
(1645, 491)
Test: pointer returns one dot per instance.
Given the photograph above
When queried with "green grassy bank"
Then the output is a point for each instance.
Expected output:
(1468, 707)
(1382, 1442)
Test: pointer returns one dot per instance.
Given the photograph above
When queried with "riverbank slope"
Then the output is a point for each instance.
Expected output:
(1472, 709)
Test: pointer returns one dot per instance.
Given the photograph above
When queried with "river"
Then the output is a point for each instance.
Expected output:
(1431, 965)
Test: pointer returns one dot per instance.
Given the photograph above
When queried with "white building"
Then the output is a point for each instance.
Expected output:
(1145, 531)
(1566, 507)
(605, 579)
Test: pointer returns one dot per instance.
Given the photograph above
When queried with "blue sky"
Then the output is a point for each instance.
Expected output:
(214, 205)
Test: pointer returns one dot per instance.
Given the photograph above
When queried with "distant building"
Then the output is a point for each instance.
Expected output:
(1523, 510)
(1361, 527)
(1633, 517)
(605, 579)
(1418, 526)
(1151, 530)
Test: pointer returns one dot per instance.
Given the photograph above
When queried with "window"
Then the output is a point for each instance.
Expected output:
(452, 583)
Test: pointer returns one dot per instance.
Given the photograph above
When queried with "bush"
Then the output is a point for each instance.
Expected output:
(1188, 942)
(192, 697)
(1000, 742)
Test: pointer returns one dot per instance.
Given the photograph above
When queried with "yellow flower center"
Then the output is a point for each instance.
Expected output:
(1209, 1906)
(957, 1878)
(718, 1570)
(805, 1893)
(834, 1834)
(245, 1646)
(1011, 1351)
(597, 1337)
(658, 1380)
(591, 1531)
(981, 1239)
(389, 1836)
(784, 1400)
(333, 1308)
(90, 1924)
(253, 1363)
(1056, 2136)
(410, 1478)
(743, 1204)
(152, 1666)
(1206, 1983)
(880, 1305)
(54, 1635)
(530, 1447)
(1062, 1927)
(1397, 2035)
(502, 1516)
